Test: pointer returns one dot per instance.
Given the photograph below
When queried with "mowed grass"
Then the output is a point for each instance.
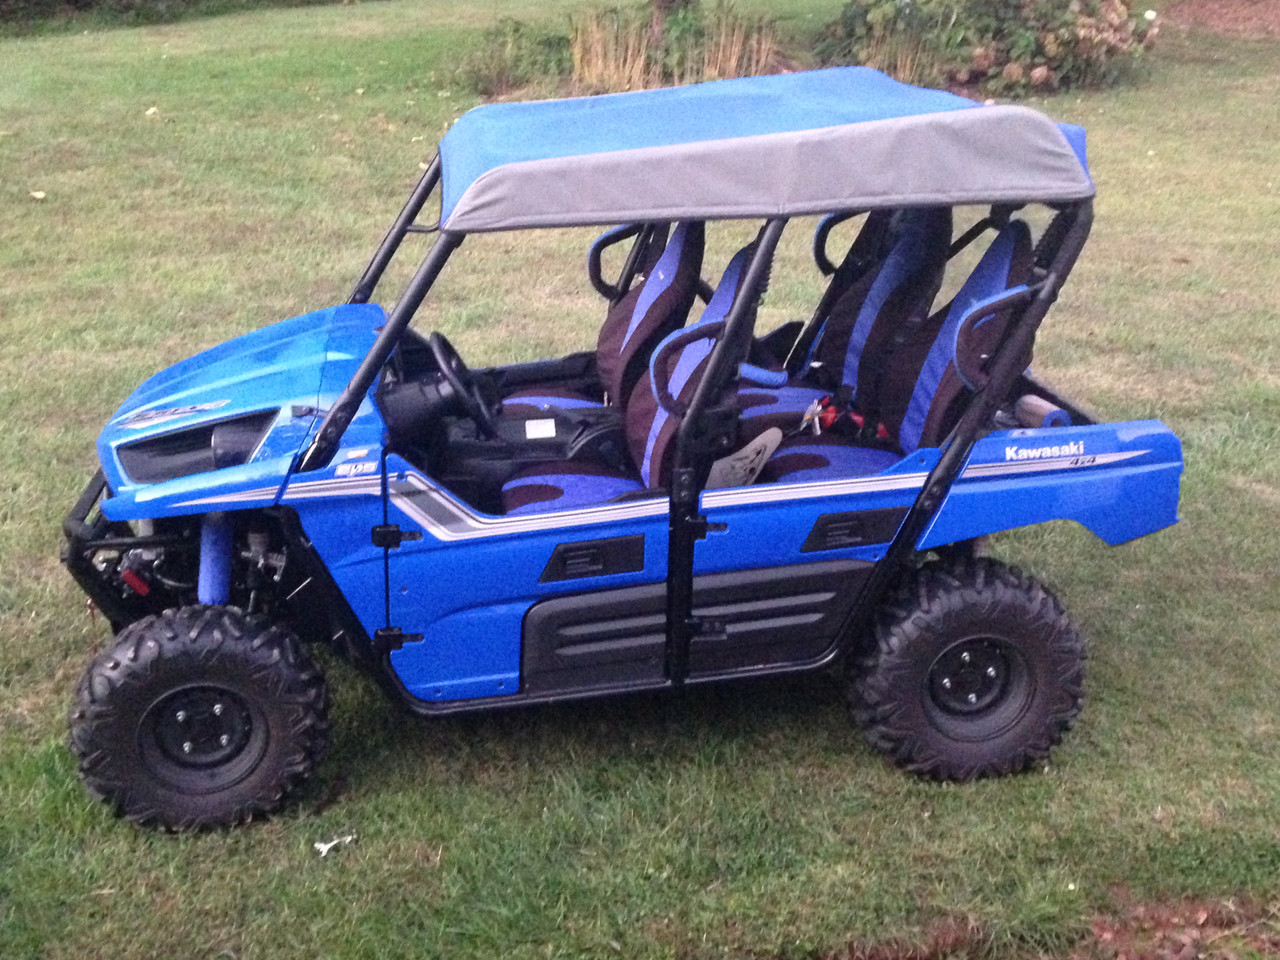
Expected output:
(742, 821)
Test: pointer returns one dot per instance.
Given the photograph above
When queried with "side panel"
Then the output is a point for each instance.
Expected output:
(467, 585)
(338, 507)
(1120, 480)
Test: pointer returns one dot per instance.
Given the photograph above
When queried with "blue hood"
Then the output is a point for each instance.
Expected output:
(286, 373)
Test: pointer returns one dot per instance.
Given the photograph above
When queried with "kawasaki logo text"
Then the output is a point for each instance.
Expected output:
(1044, 453)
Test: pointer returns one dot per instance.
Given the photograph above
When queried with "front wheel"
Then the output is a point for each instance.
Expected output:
(199, 717)
(976, 671)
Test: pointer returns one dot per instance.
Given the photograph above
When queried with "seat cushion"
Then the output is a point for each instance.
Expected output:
(781, 407)
(564, 485)
(826, 457)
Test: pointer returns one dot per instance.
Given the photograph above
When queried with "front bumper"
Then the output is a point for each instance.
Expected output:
(92, 550)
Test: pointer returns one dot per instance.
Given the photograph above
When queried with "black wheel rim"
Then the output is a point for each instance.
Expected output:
(969, 677)
(201, 738)
(978, 688)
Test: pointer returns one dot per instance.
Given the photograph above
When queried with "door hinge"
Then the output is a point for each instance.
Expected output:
(389, 535)
(387, 639)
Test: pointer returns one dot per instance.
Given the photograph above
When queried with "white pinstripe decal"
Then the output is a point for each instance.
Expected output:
(450, 520)
(244, 496)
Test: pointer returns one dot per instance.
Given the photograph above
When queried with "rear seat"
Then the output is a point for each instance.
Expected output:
(915, 389)
(846, 357)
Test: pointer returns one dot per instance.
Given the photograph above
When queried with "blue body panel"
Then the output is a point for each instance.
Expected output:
(467, 584)
(767, 525)
(1119, 480)
(303, 362)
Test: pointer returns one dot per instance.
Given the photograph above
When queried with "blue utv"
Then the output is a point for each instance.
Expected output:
(691, 502)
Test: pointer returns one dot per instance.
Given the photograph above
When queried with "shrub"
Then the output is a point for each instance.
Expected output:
(1005, 46)
(625, 49)
(515, 54)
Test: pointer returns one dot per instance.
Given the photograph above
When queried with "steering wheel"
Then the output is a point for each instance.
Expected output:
(463, 383)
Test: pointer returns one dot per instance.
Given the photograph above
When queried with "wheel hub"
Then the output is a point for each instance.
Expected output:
(969, 677)
(201, 726)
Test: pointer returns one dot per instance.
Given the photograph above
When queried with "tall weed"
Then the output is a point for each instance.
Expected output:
(609, 49)
(624, 48)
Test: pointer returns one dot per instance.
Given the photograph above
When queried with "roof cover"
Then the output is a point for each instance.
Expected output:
(791, 144)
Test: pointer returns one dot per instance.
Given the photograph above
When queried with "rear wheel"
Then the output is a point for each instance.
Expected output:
(976, 671)
(199, 717)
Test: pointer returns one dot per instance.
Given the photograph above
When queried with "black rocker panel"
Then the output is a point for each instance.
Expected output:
(755, 618)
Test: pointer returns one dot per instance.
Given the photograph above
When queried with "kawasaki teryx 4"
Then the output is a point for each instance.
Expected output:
(690, 502)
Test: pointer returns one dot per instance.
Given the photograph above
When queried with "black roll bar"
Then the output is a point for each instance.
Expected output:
(1008, 364)
(595, 256)
(689, 468)
(404, 224)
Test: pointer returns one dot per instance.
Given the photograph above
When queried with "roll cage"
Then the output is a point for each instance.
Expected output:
(706, 430)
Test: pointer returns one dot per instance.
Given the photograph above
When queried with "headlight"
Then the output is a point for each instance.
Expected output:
(210, 446)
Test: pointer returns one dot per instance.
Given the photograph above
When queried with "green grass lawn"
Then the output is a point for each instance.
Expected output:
(203, 179)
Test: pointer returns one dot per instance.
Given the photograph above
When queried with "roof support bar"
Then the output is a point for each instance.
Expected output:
(325, 443)
(1010, 360)
(695, 449)
(391, 242)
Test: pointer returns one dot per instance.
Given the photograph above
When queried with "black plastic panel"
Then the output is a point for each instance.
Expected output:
(774, 616)
(198, 449)
(834, 531)
(595, 558)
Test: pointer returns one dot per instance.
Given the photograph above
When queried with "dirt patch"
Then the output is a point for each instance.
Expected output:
(1252, 18)
(1204, 930)
(1185, 929)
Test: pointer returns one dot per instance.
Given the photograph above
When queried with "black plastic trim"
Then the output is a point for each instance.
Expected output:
(836, 531)
(763, 618)
(595, 558)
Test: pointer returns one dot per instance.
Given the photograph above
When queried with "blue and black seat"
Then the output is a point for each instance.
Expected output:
(669, 274)
(886, 284)
(917, 390)
(674, 371)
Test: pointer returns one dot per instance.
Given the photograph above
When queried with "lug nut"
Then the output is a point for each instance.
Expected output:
(973, 698)
(217, 709)
(182, 716)
(224, 739)
(964, 657)
(991, 671)
(946, 683)
(187, 747)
